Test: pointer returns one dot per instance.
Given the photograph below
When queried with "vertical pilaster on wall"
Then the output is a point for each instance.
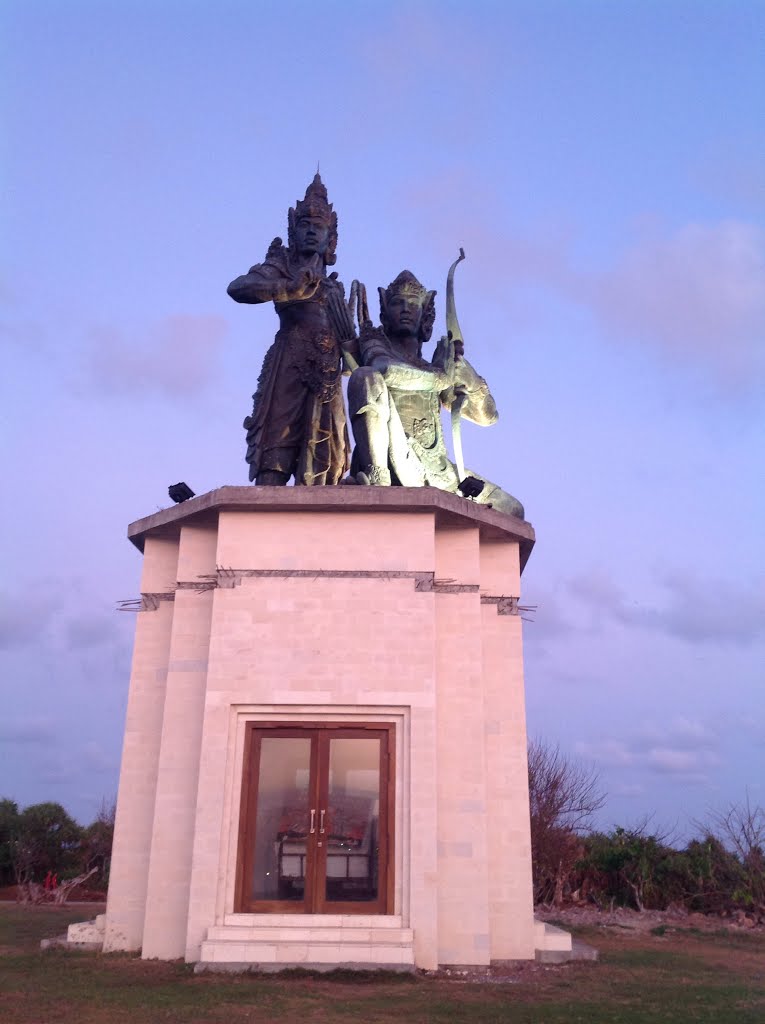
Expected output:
(126, 903)
(463, 880)
(176, 799)
(421, 851)
(509, 837)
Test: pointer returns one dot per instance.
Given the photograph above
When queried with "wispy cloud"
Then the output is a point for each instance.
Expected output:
(412, 47)
(693, 294)
(697, 293)
(683, 749)
(57, 616)
(177, 358)
(28, 731)
(26, 615)
(84, 631)
(695, 610)
(77, 763)
(682, 733)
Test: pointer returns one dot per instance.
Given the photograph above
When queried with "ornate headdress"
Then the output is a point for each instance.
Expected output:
(315, 204)
(407, 284)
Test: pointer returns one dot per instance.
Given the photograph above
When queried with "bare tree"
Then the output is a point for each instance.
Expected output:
(740, 828)
(33, 893)
(564, 795)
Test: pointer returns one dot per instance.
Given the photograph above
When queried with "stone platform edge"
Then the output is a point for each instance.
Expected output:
(449, 509)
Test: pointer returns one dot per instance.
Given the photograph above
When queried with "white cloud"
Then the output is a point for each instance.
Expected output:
(681, 733)
(685, 749)
(692, 765)
(694, 294)
(606, 752)
(627, 789)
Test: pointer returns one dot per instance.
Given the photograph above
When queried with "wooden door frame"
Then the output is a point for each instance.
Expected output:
(314, 896)
(255, 732)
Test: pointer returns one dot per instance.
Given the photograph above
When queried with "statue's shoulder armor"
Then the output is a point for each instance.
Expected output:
(275, 265)
(277, 255)
(373, 342)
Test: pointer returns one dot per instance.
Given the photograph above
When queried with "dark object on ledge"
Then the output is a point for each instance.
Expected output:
(471, 487)
(180, 492)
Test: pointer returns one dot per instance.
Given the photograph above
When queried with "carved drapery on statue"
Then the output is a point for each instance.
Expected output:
(297, 426)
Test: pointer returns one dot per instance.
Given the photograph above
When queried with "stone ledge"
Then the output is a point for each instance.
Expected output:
(279, 951)
(311, 933)
(313, 920)
(449, 509)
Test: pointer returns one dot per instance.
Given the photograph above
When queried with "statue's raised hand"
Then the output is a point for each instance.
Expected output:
(303, 285)
(445, 356)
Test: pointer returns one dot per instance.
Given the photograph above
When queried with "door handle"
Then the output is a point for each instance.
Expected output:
(313, 820)
(321, 821)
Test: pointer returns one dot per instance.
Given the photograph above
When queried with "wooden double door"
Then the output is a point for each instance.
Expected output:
(316, 832)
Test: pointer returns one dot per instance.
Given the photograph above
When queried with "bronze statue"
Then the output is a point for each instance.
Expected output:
(395, 397)
(297, 426)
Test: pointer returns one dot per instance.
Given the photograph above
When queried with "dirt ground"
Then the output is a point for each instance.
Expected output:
(574, 917)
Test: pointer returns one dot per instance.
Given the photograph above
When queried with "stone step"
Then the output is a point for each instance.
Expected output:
(315, 920)
(268, 956)
(276, 946)
(307, 933)
(549, 938)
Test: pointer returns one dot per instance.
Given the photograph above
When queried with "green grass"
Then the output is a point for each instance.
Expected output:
(685, 978)
(24, 927)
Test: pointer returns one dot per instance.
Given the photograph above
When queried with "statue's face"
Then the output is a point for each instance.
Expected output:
(311, 236)
(403, 312)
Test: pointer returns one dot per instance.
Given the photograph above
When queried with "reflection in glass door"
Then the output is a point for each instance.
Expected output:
(282, 822)
(352, 820)
(316, 819)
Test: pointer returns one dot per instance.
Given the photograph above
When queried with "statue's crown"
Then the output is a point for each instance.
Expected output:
(316, 203)
(406, 284)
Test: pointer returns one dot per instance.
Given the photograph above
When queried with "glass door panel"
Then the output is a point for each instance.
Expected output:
(352, 820)
(282, 820)
(316, 820)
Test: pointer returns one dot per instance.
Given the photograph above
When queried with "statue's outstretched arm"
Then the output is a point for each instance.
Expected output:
(266, 283)
(259, 284)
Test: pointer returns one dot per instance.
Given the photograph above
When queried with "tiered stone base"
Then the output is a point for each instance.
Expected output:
(319, 606)
(274, 942)
(551, 945)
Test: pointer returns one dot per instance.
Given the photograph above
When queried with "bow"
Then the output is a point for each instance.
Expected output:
(454, 333)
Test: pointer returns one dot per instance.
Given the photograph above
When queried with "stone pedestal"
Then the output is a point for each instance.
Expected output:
(343, 605)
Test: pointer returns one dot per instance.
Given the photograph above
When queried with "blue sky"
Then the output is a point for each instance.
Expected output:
(603, 165)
